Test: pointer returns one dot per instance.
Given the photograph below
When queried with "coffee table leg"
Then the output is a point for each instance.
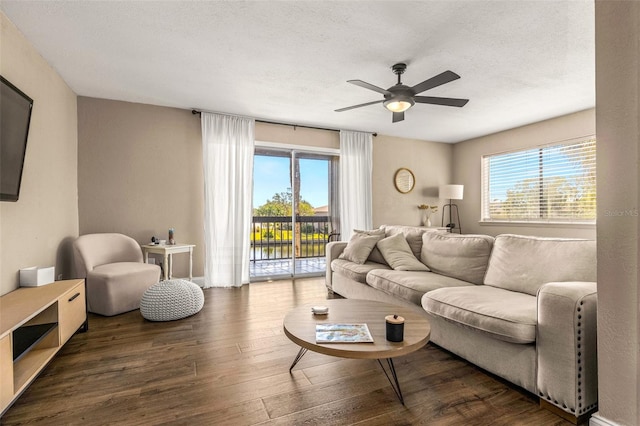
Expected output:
(298, 357)
(394, 383)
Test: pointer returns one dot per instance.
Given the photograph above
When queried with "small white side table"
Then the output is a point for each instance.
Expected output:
(167, 251)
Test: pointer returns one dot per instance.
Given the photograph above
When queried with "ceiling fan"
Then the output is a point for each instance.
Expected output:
(399, 98)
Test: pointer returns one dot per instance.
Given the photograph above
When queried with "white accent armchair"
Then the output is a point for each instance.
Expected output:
(115, 273)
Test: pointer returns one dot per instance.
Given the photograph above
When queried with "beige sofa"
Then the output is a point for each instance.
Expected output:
(523, 308)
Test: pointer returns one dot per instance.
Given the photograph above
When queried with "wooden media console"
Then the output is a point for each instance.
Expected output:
(34, 324)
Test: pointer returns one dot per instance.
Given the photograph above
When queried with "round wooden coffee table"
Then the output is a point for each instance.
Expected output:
(300, 327)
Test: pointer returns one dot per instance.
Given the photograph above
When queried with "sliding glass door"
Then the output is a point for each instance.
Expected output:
(291, 214)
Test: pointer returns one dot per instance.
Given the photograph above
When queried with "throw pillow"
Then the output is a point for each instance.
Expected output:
(375, 255)
(359, 247)
(398, 254)
(379, 232)
(412, 234)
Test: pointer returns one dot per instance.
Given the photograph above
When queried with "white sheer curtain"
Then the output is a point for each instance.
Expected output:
(356, 166)
(334, 194)
(227, 153)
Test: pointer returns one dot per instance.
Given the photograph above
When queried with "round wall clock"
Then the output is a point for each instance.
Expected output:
(404, 180)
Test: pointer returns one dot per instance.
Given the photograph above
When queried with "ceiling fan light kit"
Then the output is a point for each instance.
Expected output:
(397, 104)
(399, 98)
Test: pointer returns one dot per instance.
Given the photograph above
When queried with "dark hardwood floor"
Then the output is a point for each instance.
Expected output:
(229, 364)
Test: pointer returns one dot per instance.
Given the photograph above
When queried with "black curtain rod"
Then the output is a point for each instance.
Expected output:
(195, 111)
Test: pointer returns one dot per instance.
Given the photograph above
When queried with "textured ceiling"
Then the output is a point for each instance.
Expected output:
(519, 61)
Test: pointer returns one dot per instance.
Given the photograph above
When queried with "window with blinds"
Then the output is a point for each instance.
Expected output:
(554, 183)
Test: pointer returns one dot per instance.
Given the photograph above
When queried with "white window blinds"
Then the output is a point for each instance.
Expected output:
(554, 183)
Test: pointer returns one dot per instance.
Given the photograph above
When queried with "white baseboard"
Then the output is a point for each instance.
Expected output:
(597, 420)
(198, 280)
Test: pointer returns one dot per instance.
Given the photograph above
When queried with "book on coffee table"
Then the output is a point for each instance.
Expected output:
(343, 333)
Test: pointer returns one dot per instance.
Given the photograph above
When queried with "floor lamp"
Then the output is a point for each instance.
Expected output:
(451, 192)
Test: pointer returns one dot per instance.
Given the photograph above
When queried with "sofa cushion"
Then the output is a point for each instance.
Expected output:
(413, 235)
(355, 271)
(522, 263)
(124, 269)
(379, 232)
(376, 256)
(409, 285)
(359, 247)
(505, 315)
(397, 253)
(118, 287)
(459, 256)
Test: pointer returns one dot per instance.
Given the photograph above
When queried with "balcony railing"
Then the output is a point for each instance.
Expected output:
(273, 237)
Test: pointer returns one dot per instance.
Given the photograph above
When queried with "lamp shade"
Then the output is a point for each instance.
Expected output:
(451, 192)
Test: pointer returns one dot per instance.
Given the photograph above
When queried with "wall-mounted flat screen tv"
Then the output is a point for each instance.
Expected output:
(15, 117)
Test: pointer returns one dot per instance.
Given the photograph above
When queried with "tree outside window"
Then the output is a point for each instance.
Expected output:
(550, 183)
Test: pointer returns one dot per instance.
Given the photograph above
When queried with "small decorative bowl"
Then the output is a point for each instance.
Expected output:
(320, 310)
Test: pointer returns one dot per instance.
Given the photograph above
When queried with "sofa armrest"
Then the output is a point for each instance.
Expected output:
(332, 251)
(567, 347)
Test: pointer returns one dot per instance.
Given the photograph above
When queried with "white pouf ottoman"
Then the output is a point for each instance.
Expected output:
(171, 300)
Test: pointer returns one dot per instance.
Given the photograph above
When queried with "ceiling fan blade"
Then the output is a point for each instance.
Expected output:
(455, 102)
(397, 116)
(436, 81)
(358, 106)
(369, 86)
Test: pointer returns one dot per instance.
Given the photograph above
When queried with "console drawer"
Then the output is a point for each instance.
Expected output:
(72, 311)
(6, 366)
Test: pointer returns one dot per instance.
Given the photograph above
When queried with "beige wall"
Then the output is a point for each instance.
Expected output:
(140, 173)
(140, 170)
(430, 163)
(36, 230)
(467, 157)
(301, 136)
(618, 151)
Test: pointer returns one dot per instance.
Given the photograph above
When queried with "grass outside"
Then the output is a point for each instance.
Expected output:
(286, 236)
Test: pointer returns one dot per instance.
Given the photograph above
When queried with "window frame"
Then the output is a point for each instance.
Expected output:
(485, 191)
